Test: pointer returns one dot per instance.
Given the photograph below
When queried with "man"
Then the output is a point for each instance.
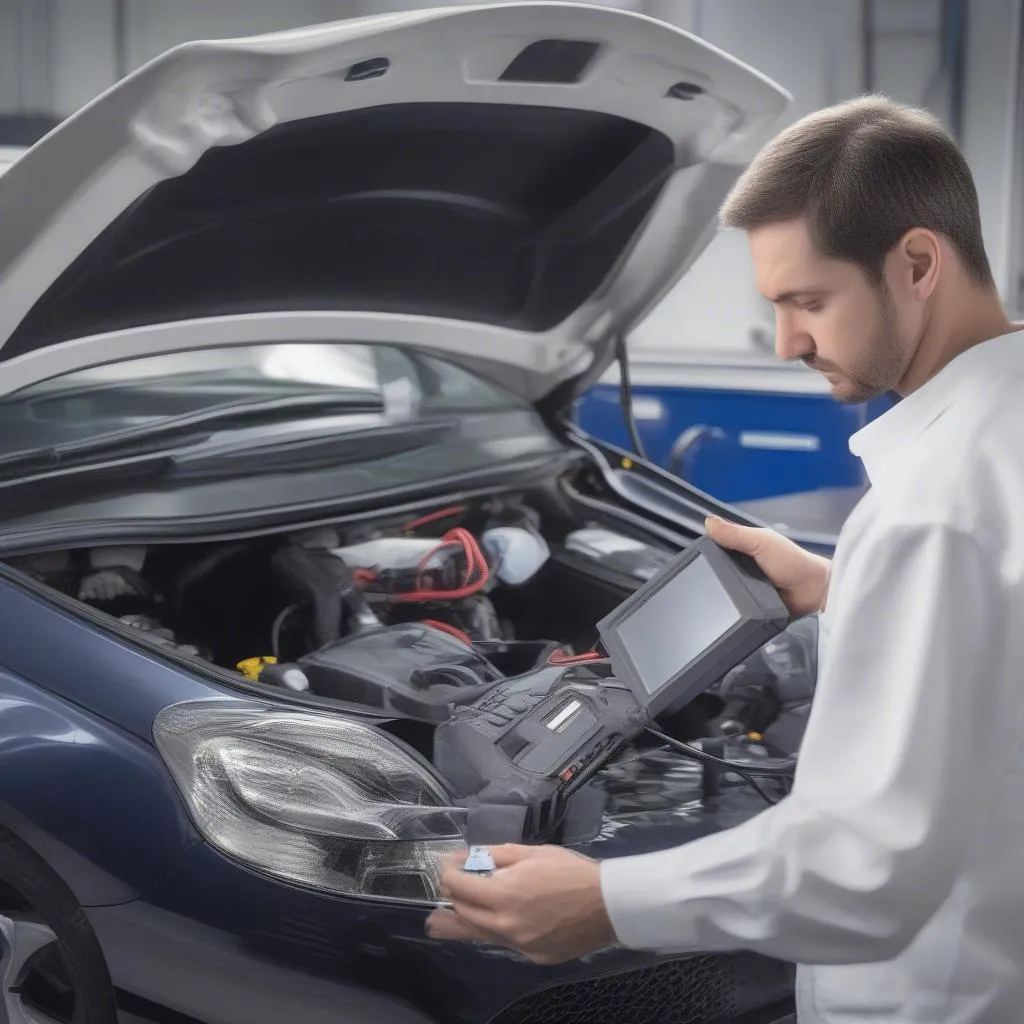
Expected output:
(894, 872)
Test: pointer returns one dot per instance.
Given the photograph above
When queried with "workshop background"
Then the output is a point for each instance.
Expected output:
(712, 403)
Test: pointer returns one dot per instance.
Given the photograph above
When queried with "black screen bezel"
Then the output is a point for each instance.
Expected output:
(761, 616)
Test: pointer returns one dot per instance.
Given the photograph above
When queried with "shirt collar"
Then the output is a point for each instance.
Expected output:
(880, 443)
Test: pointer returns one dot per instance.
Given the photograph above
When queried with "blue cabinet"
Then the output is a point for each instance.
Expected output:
(737, 444)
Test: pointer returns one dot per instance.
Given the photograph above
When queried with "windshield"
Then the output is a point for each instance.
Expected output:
(395, 384)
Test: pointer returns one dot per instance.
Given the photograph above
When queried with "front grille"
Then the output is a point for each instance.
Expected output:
(697, 990)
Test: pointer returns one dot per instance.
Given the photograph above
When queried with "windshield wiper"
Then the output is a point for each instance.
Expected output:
(310, 451)
(194, 426)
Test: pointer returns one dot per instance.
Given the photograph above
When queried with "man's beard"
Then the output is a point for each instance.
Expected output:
(881, 367)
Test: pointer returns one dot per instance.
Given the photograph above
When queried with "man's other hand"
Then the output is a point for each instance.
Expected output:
(800, 577)
(543, 901)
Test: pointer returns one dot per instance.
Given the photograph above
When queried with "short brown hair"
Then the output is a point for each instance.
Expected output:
(863, 173)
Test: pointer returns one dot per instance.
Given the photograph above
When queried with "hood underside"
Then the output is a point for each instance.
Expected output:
(514, 186)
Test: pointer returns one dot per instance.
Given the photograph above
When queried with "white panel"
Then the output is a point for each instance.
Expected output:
(903, 17)
(906, 68)
(682, 13)
(810, 48)
(83, 52)
(157, 25)
(10, 63)
(647, 408)
(780, 442)
(993, 40)
(25, 56)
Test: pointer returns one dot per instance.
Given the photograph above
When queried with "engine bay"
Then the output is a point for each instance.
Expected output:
(411, 619)
(498, 572)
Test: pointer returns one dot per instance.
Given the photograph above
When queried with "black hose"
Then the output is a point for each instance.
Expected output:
(626, 397)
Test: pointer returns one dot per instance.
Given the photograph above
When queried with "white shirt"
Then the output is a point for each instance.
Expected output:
(895, 869)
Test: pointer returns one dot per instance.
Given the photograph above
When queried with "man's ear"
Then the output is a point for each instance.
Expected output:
(916, 261)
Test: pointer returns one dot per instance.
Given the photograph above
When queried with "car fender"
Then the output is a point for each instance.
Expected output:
(95, 802)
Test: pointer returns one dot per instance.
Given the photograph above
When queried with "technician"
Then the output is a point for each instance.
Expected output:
(894, 873)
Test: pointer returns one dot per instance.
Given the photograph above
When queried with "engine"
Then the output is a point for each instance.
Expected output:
(398, 615)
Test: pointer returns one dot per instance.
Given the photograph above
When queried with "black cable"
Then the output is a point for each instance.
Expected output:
(777, 771)
(745, 772)
(626, 396)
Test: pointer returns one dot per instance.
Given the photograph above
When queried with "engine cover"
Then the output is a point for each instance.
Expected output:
(411, 670)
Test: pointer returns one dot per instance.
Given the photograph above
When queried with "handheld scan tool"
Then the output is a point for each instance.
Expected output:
(516, 755)
(702, 615)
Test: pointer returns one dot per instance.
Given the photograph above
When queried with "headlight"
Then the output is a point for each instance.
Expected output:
(314, 798)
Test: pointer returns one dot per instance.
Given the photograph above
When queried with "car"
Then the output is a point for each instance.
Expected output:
(291, 328)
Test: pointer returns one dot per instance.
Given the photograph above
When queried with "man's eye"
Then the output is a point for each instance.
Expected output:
(811, 307)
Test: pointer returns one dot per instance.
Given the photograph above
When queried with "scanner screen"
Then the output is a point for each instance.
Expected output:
(678, 623)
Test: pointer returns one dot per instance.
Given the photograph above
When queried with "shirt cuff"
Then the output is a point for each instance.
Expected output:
(641, 897)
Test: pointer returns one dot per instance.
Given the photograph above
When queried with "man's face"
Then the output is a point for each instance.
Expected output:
(829, 314)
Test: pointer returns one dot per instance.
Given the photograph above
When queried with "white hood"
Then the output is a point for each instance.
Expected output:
(514, 186)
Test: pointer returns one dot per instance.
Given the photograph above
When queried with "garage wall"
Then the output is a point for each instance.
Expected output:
(25, 55)
(990, 130)
(811, 48)
(96, 41)
(815, 49)
(83, 48)
(154, 25)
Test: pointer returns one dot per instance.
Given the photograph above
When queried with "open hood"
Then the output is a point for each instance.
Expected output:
(514, 186)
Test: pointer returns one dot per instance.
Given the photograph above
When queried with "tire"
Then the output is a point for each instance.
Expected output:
(51, 965)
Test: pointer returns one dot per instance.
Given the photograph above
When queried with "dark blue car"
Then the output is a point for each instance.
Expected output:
(290, 329)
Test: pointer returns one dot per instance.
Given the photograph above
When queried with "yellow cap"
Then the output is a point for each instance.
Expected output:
(627, 463)
(754, 737)
(251, 667)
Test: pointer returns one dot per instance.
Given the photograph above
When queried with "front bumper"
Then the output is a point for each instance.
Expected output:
(217, 943)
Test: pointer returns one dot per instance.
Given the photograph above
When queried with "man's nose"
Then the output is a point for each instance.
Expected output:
(790, 341)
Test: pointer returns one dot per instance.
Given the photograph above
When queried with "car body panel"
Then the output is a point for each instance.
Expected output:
(95, 802)
(120, 684)
(659, 495)
(190, 946)
(178, 113)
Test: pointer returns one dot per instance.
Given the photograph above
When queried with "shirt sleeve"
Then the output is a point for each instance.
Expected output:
(894, 770)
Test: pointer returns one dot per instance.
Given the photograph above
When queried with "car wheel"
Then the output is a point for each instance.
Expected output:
(51, 966)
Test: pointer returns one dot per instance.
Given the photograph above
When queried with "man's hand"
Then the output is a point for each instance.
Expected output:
(543, 901)
(800, 577)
